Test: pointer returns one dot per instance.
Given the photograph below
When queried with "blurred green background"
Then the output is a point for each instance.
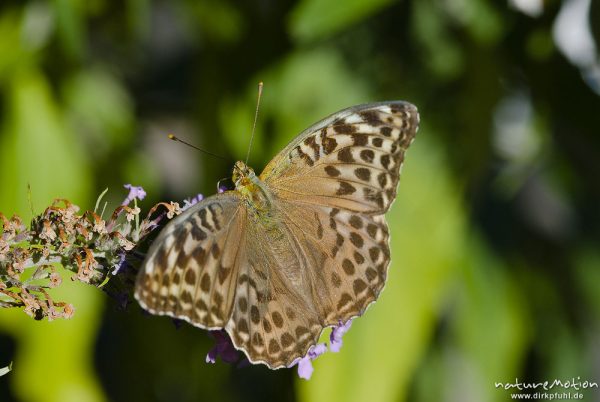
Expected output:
(495, 260)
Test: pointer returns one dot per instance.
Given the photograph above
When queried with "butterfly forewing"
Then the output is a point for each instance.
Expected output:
(191, 269)
(351, 160)
(274, 279)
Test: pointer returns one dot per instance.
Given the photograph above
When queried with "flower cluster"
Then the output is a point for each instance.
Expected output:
(86, 244)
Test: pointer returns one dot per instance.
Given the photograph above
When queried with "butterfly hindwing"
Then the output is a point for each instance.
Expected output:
(347, 255)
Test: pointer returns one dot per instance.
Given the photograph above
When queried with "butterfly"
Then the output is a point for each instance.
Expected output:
(302, 247)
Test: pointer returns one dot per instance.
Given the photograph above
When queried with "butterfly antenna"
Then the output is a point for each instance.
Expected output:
(260, 88)
(172, 137)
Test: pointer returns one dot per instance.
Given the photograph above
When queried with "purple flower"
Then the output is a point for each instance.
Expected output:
(121, 262)
(305, 368)
(188, 202)
(223, 347)
(222, 188)
(335, 339)
(134, 192)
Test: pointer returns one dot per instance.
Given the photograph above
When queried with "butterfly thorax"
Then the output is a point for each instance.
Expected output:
(254, 192)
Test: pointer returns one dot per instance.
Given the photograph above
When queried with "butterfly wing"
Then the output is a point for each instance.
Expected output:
(274, 319)
(333, 183)
(191, 269)
(345, 254)
(350, 160)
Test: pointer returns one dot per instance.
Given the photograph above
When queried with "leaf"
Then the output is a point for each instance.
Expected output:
(36, 147)
(317, 19)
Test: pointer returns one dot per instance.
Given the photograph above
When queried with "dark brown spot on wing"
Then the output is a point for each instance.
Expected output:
(257, 340)
(197, 233)
(274, 347)
(215, 251)
(371, 274)
(304, 156)
(286, 340)
(242, 325)
(345, 188)
(329, 145)
(301, 331)
(186, 297)
(363, 173)
(311, 142)
(267, 326)
(344, 128)
(345, 300)
(358, 257)
(319, 227)
(356, 222)
(372, 230)
(190, 277)
(387, 131)
(382, 179)
(385, 161)
(345, 155)
(339, 239)
(356, 239)
(161, 259)
(277, 319)
(367, 155)
(360, 140)
(359, 285)
(243, 304)
(223, 273)
(290, 313)
(254, 315)
(205, 282)
(374, 253)
(199, 255)
(332, 171)
(371, 117)
(348, 267)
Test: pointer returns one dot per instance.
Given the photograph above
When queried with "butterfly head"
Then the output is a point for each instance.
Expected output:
(251, 188)
(243, 175)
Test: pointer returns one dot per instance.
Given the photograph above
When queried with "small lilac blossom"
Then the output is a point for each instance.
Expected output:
(305, 367)
(134, 192)
(335, 339)
(223, 347)
(120, 264)
(222, 188)
(188, 202)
